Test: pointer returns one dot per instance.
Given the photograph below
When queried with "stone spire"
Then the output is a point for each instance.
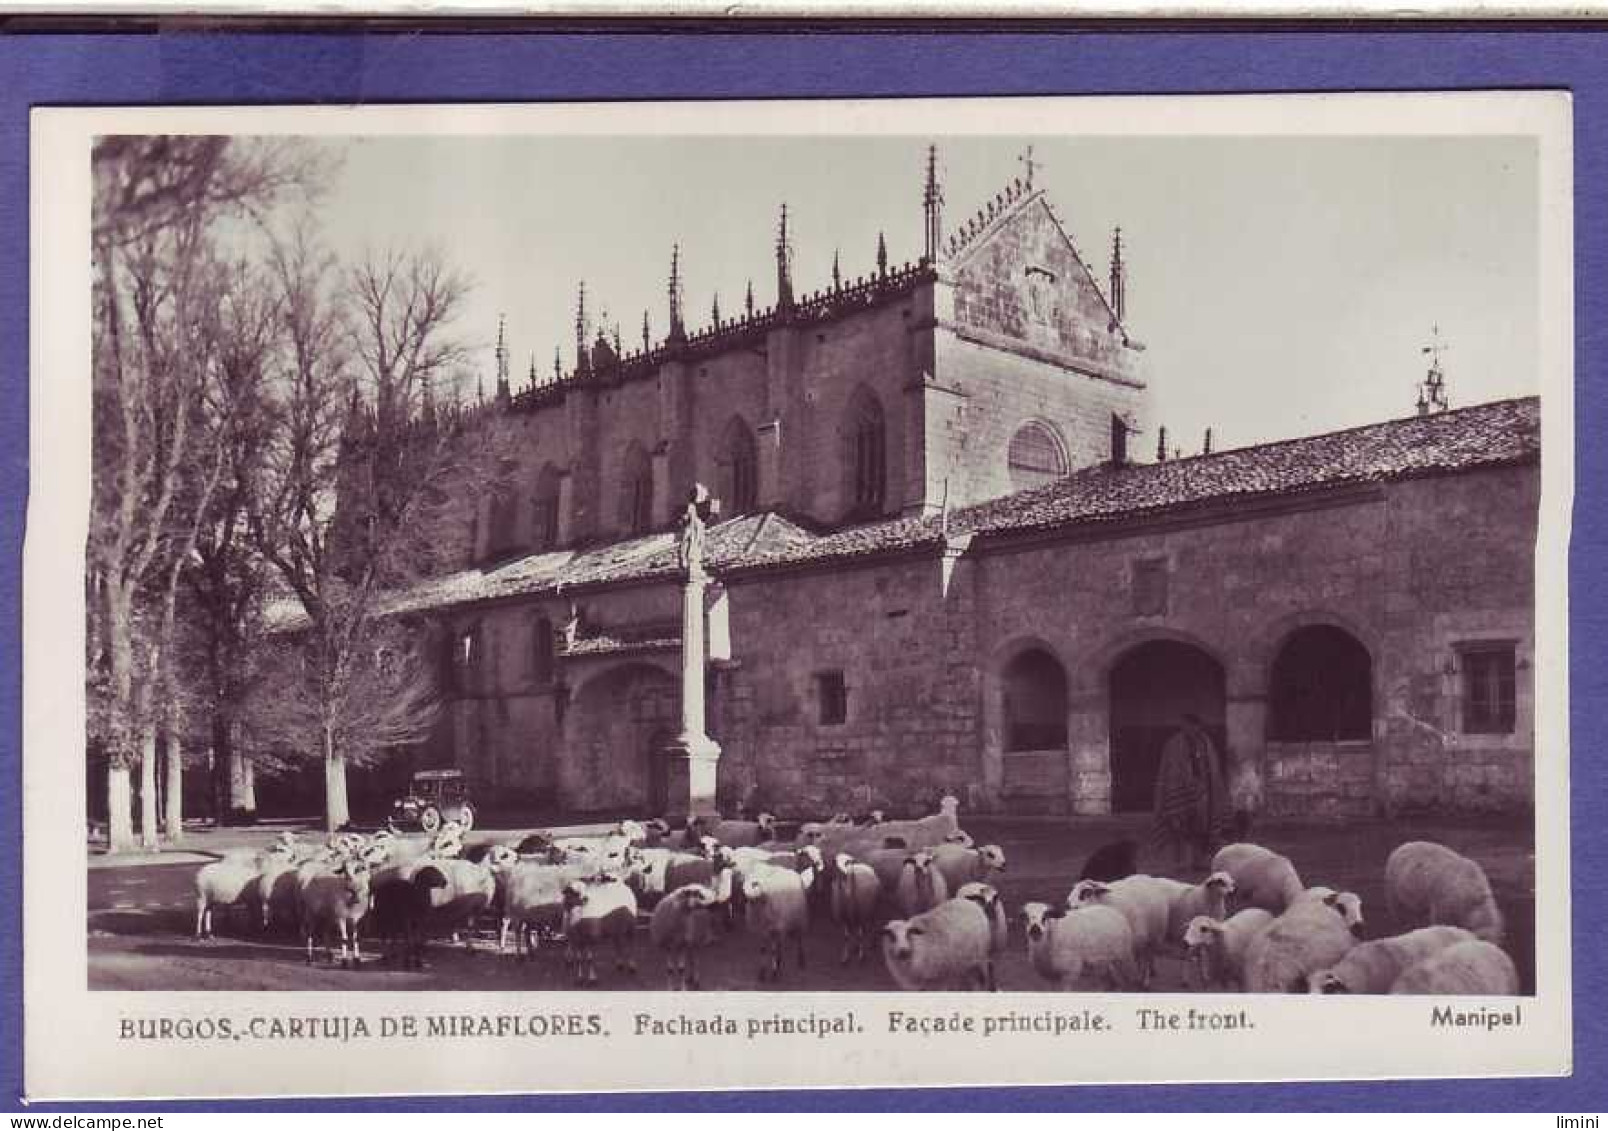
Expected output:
(532, 377)
(1432, 390)
(837, 274)
(882, 255)
(784, 265)
(1206, 448)
(748, 300)
(714, 309)
(558, 365)
(1119, 279)
(647, 335)
(583, 360)
(1161, 444)
(678, 328)
(932, 203)
(503, 391)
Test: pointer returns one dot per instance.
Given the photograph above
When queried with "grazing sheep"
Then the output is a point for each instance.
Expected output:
(1373, 967)
(400, 908)
(1114, 861)
(683, 924)
(231, 882)
(1471, 967)
(1209, 898)
(946, 948)
(964, 864)
(776, 904)
(599, 910)
(855, 892)
(1311, 935)
(1144, 901)
(1216, 947)
(1089, 945)
(987, 897)
(921, 885)
(279, 891)
(334, 900)
(1262, 877)
(532, 896)
(1427, 884)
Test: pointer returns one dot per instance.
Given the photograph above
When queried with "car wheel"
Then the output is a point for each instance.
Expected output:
(466, 817)
(430, 819)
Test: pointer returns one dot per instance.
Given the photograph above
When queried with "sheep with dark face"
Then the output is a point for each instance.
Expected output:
(1311, 935)
(921, 885)
(1089, 945)
(776, 906)
(1262, 878)
(1373, 967)
(401, 910)
(1216, 947)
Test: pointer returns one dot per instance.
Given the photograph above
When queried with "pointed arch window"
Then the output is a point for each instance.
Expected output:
(503, 521)
(739, 466)
(1036, 456)
(867, 457)
(636, 492)
(544, 511)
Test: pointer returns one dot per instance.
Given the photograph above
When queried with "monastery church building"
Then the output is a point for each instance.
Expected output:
(941, 564)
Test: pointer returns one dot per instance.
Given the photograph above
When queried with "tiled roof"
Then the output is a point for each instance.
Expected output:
(1502, 432)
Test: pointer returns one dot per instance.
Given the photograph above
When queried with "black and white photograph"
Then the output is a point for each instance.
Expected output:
(925, 558)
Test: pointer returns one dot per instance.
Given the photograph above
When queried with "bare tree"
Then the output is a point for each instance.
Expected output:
(157, 201)
(352, 479)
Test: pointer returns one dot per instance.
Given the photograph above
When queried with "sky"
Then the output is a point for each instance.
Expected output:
(1282, 286)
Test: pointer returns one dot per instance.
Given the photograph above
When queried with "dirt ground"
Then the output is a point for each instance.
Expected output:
(141, 918)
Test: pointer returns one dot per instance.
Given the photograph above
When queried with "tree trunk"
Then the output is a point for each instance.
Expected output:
(336, 815)
(174, 810)
(242, 786)
(148, 839)
(119, 807)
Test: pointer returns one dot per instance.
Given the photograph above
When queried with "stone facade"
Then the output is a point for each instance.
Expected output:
(1331, 608)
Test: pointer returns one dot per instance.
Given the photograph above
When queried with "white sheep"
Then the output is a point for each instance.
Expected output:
(921, 885)
(230, 882)
(1475, 967)
(945, 948)
(1346, 904)
(1216, 947)
(335, 899)
(1088, 945)
(776, 905)
(278, 889)
(1145, 901)
(987, 897)
(734, 833)
(682, 925)
(595, 911)
(855, 893)
(1373, 967)
(532, 898)
(962, 864)
(1311, 935)
(1427, 884)
(923, 832)
(1262, 877)
(470, 890)
(1209, 898)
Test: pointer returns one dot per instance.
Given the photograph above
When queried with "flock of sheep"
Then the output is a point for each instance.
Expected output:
(918, 890)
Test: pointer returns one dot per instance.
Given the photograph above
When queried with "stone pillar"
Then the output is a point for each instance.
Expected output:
(1088, 741)
(565, 535)
(692, 757)
(1243, 771)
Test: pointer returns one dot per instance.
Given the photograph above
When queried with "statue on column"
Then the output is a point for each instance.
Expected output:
(701, 507)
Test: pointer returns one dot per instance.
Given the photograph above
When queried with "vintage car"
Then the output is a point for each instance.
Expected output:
(435, 797)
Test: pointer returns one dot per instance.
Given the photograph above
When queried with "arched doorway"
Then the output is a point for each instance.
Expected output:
(1320, 688)
(1152, 687)
(1033, 705)
(613, 740)
(658, 771)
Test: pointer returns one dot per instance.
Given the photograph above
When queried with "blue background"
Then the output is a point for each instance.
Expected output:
(348, 67)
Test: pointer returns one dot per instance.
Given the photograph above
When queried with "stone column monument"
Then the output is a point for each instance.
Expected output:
(692, 756)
